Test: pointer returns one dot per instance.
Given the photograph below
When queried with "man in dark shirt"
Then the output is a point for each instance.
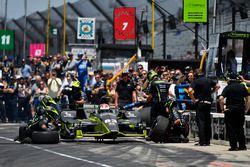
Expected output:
(200, 92)
(235, 111)
(98, 90)
(123, 92)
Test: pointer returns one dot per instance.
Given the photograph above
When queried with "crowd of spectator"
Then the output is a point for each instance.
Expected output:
(21, 87)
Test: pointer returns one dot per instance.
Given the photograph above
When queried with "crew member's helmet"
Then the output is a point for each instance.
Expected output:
(76, 84)
(52, 113)
(151, 75)
(47, 101)
(76, 87)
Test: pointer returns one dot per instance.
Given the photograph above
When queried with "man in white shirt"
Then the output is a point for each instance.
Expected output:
(54, 84)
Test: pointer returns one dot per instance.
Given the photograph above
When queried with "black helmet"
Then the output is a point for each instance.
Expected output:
(47, 101)
(188, 69)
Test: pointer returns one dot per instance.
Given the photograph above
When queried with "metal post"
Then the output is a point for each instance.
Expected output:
(208, 23)
(214, 16)
(5, 21)
(24, 30)
(233, 24)
(233, 17)
(64, 27)
(164, 37)
(47, 32)
(196, 39)
(153, 24)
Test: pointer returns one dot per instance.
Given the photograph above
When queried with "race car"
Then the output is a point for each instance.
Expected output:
(101, 122)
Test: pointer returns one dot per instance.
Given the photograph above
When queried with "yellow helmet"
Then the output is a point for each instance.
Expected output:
(151, 75)
(76, 84)
(47, 101)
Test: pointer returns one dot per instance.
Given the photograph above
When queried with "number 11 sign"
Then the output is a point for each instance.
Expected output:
(6, 40)
(124, 23)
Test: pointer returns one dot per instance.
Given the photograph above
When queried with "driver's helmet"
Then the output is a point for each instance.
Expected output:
(151, 75)
(104, 108)
(47, 101)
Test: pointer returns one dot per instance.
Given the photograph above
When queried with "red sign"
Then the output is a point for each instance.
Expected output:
(124, 23)
(37, 50)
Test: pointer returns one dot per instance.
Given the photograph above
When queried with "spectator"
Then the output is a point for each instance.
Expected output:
(71, 63)
(140, 68)
(26, 70)
(90, 85)
(139, 95)
(42, 90)
(98, 89)
(34, 86)
(200, 91)
(190, 77)
(82, 70)
(67, 82)
(54, 84)
(144, 80)
(165, 76)
(234, 111)
(124, 90)
(24, 95)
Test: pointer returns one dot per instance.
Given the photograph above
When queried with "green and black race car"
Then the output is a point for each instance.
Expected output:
(101, 122)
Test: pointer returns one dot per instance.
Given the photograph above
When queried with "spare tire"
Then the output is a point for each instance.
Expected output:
(158, 130)
(45, 137)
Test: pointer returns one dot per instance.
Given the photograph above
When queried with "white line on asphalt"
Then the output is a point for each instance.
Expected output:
(60, 154)
(10, 124)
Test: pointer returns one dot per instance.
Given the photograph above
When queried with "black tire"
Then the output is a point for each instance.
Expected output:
(145, 115)
(22, 133)
(158, 131)
(45, 137)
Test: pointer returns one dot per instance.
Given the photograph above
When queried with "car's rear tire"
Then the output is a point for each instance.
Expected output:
(158, 131)
(145, 115)
(45, 137)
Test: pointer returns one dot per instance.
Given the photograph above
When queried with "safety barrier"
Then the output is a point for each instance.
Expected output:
(218, 127)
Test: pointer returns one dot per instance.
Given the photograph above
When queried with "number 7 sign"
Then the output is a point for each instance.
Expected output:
(124, 23)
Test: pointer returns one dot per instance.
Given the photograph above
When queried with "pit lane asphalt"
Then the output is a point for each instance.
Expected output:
(123, 152)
